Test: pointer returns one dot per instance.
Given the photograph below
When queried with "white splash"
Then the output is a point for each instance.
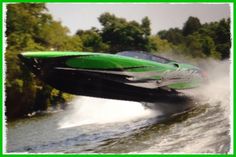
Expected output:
(218, 87)
(89, 110)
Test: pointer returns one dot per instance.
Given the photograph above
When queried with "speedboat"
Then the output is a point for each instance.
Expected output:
(127, 75)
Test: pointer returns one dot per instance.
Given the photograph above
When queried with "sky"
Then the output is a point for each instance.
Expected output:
(77, 16)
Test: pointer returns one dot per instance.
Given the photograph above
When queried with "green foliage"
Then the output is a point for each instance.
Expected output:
(92, 41)
(31, 28)
(53, 35)
(124, 35)
(191, 25)
(160, 45)
(200, 41)
(173, 35)
(146, 26)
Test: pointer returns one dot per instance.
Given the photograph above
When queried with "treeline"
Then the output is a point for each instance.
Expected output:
(199, 40)
(31, 28)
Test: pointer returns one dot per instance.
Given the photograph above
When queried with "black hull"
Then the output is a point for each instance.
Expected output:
(96, 85)
(85, 84)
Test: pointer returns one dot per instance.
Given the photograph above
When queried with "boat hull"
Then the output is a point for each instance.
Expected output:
(123, 83)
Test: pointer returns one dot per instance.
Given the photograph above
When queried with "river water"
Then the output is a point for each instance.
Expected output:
(93, 125)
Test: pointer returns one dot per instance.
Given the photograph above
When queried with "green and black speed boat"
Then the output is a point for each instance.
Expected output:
(128, 75)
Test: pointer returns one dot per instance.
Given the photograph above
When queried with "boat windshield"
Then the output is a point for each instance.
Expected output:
(144, 55)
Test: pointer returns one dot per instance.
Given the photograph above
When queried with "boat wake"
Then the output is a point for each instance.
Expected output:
(89, 110)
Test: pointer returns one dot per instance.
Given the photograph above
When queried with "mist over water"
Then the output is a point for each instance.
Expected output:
(217, 88)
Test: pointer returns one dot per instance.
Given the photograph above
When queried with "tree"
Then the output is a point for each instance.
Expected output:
(92, 41)
(30, 28)
(53, 35)
(201, 46)
(124, 35)
(173, 35)
(200, 41)
(25, 14)
(223, 39)
(160, 45)
(145, 24)
(191, 25)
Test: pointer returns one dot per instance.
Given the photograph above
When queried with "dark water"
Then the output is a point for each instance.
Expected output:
(201, 129)
(107, 126)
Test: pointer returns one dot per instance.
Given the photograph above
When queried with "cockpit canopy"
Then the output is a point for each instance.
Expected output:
(144, 55)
